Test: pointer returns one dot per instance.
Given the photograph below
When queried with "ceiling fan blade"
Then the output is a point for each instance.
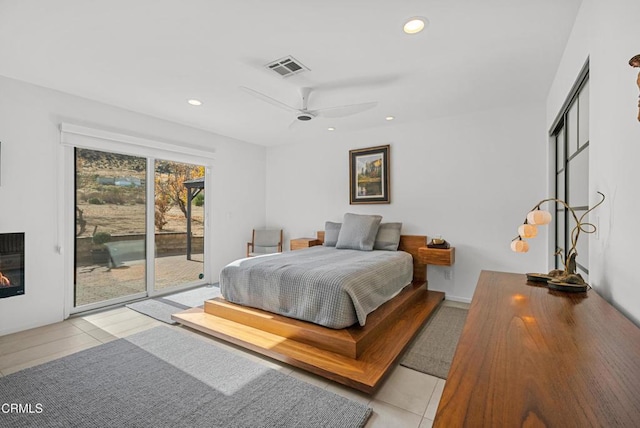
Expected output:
(268, 99)
(294, 125)
(342, 111)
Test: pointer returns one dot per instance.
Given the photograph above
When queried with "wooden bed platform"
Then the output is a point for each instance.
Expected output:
(359, 357)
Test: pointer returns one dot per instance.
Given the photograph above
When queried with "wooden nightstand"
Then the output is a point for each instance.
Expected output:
(300, 243)
(437, 256)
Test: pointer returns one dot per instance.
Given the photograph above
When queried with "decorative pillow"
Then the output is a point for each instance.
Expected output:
(331, 231)
(388, 237)
(358, 232)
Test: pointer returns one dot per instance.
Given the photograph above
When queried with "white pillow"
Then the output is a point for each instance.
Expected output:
(358, 232)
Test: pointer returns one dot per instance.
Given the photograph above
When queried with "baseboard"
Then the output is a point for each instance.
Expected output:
(457, 299)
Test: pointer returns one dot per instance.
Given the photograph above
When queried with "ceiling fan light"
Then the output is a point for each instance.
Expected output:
(415, 25)
(305, 117)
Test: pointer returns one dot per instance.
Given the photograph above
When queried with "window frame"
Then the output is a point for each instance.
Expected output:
(559, 130)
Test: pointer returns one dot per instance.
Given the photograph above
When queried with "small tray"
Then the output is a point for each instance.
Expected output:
(444, 246)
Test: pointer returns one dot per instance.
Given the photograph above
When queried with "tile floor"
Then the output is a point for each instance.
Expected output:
(407, 398)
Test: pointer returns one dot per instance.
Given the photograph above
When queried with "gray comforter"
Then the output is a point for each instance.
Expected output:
(331, 287)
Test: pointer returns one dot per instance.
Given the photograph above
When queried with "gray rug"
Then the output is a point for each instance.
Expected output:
(165, 377)
(195, 297)
(161, 308)
(432, 350)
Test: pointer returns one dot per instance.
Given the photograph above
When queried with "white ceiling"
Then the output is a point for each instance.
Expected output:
(150, 56)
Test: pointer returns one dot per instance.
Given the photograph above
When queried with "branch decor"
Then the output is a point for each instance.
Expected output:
(635, 62)
(567, 279)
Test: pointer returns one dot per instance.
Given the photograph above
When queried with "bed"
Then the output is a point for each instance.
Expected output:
(335, 288)
(360, 355)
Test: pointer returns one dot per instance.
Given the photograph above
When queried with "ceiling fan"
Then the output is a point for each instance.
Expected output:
(304, 114)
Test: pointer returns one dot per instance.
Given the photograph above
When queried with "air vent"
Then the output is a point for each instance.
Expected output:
(287, 66)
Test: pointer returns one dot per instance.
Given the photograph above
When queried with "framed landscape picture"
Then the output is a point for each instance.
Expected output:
(369, 175)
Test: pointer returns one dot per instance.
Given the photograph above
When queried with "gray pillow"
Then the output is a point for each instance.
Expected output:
(331, 231)
(388, 237)
(358, 232)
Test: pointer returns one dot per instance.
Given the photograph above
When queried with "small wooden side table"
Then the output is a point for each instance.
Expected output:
(437, 256)
(300, 243)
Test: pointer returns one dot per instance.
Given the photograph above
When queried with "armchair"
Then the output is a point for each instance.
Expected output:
(265, 241)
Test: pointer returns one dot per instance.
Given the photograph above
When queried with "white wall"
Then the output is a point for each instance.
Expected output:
(608, 32)
(29, 131)
(471, 179)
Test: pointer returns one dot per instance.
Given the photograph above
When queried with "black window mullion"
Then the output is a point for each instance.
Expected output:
(561, 128)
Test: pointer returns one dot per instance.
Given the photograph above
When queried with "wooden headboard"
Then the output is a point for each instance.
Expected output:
(409, 244)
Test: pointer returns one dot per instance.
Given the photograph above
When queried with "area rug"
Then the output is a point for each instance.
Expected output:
(164, 377)
(432, 350)
(195, 297)
(161, 308)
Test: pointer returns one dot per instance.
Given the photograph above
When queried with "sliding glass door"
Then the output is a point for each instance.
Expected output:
(110, 207)
(139, 227)
(179, 223)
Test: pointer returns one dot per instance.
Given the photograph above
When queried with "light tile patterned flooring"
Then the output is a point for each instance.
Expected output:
(407, 398)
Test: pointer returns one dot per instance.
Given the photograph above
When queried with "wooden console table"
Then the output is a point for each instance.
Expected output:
(529, 356)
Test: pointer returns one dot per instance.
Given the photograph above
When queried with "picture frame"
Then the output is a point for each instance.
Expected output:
(369, 175)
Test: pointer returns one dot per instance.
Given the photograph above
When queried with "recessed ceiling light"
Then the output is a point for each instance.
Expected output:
(415, 25)
(389, 118)
(331, 128)
(195, 102)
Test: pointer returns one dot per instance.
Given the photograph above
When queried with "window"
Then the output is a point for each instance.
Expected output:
(570, 137)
